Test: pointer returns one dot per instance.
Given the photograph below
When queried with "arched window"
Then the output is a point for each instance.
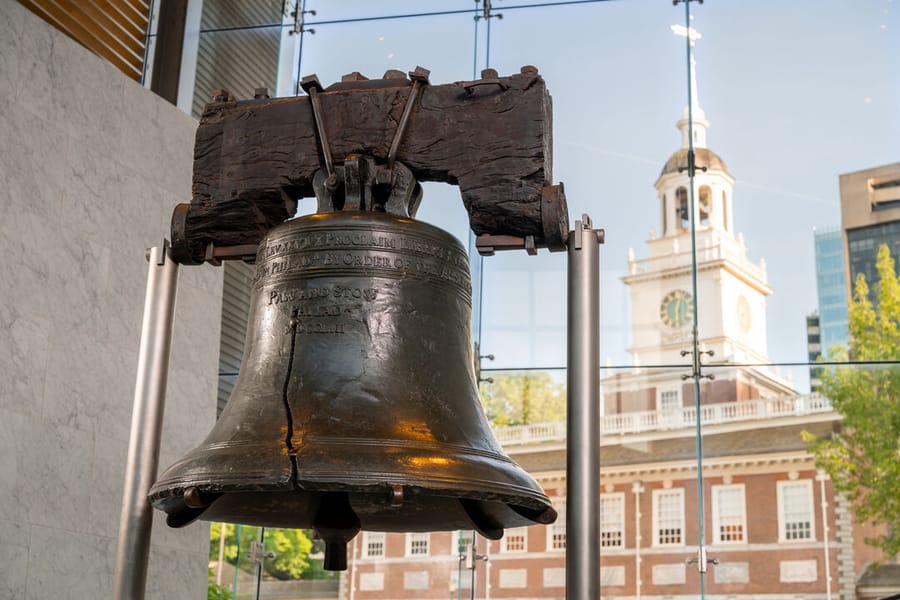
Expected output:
(681, 207)
(705, 204)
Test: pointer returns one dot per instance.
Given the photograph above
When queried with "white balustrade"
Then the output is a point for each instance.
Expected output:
(651, 420)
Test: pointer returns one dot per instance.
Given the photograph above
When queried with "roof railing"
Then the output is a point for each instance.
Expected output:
(679, 418)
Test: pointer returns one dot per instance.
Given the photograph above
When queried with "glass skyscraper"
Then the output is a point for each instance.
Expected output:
(831, 289)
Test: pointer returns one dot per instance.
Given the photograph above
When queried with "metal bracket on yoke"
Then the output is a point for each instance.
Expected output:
(554, 223)
(367, 185)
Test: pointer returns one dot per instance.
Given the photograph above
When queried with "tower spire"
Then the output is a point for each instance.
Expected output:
(699, 117)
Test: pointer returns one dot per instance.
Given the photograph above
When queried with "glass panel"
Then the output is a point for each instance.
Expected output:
(441, 44)
(798, 228)
(238, 61)
(378, 14)
(256, 562)
(523, 398)
(242, 553)
(682, 514)
(220, 14)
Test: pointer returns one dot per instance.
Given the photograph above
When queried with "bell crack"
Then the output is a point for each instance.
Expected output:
(289, 436)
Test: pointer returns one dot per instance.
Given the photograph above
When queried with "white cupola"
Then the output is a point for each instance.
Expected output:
(713, 184)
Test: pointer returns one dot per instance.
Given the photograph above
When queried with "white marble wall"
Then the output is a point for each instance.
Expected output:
(91, 165)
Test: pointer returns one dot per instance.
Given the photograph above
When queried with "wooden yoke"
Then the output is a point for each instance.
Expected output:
(492, 137)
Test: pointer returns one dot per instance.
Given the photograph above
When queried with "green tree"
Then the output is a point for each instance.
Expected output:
(863, 458)
(524, 398)
(290, 546)
(214, 591)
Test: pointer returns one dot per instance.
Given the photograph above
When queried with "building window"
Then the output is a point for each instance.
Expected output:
(556, 533)
(681, 207)
(669, 400)
(795, 510)
(668, 407)
(729, 514)
(612, 520)
(417, 544)
(668, 517)
(464, 539)
(705, 203)
(515, 540)
(373, 544)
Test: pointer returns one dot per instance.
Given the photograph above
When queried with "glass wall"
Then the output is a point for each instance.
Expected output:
(707, 140)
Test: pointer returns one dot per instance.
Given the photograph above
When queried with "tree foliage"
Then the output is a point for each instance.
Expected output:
(524, 398)
(863, 458)
(215, 591)
(290, 546)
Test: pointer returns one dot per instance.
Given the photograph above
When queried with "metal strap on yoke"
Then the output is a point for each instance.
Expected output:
(311, 86)
(419, 78)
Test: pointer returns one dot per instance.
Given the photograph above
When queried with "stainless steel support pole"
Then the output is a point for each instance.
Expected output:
(130, 576)
(583, 428)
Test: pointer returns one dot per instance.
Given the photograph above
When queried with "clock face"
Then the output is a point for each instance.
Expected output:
(677, 309)
(743, 314)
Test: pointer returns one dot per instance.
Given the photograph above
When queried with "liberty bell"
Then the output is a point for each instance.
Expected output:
(356, 406)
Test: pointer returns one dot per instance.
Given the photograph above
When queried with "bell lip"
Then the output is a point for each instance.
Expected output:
(485, 472)
(531, 506)
(489, 516)
(531, 500)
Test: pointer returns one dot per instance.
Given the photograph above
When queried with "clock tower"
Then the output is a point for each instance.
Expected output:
(731, 289)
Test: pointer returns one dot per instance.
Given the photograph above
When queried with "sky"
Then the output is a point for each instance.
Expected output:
(796, 94)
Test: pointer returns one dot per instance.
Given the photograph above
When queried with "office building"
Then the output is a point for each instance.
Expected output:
(870, 217)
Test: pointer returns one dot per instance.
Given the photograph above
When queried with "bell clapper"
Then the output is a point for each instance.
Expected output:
(396, 495)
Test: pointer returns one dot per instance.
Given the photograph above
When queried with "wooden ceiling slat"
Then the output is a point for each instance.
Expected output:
(90, 22)
(115, 26)
(134, 11)
(104, 32)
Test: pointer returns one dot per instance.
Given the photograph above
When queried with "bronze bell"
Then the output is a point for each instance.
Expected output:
(356, 406)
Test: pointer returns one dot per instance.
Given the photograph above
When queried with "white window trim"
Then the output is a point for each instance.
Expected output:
(717, 531)
(454, 542)
(656, 495)
(365, 544)
(780, 485)
(621, 497)
(672, 416)
(664, 390)
(558, 526)
(523, 531)
(409, 540)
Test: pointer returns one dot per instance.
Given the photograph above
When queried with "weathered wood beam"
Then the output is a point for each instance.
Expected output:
(491, 137)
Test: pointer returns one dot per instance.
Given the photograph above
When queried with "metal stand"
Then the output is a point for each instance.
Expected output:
(583, 420)
(130, 576)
